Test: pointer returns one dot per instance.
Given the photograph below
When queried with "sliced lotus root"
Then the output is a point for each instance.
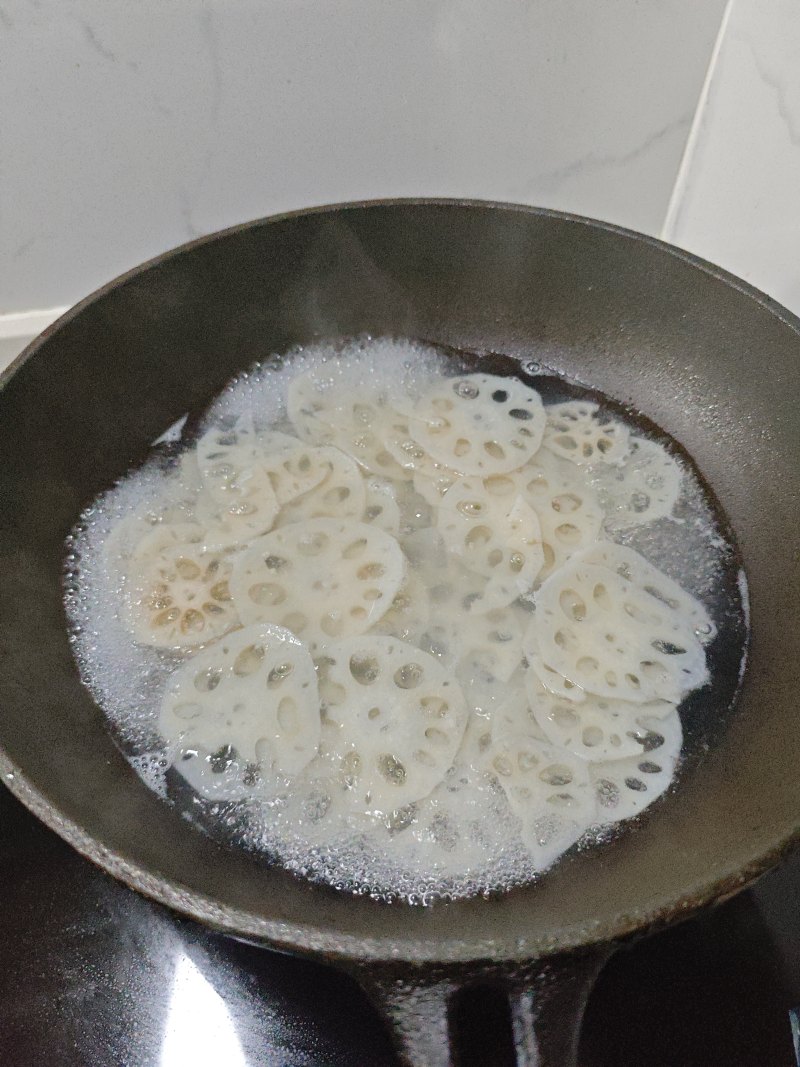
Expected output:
(305, 403)
(225, 459)
(326, 409)
(221, 450)
(625, 787)
(222, 775)
(318, 803)
(549, 789)
(415, 513)
(567, 507)
(513, 715)
(408, 613)
(453, 590)
(578, 433)
(485, 692)
(479, 423)
(274, 442)
(613, 638)
(600, 728)
(166, 535)
(179, 597)
(255, 692)
(502, 543)
(295, 471)
(165, 508)
(340, 495)
(554, 682)
(238, 499)
(491, 642)
(399, 716)
(644, 488)
(473, 753)
(409, 454)
(321, 579)
(361, 436)
(464, 822)
(455, 595)
(218, 444)
(246, 514)
(633, 567)
(432, 489)
(382, 509)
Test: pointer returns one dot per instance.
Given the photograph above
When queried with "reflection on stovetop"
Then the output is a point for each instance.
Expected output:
(94, 975)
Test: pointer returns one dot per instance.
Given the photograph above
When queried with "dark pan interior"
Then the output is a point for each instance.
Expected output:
(713, 363)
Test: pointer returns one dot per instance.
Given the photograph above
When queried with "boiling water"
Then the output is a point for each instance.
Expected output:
(463, 837)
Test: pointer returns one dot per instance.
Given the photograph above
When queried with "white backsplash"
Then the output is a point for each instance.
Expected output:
(130, 127)
(738, 199)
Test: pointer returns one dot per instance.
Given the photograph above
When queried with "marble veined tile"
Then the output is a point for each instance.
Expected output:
(738, 198)
(127, 128)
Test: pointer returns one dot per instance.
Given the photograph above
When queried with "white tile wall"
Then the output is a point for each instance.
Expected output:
(738, 200)
(129, 127)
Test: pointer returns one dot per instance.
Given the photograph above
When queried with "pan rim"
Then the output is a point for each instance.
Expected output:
(342, 947)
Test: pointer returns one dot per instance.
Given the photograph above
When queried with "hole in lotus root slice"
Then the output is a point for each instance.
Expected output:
(381, 509)
(254, 691)
(645, 487)
(340, 495)
(626, 787)
(577, 432)
(399, 724)
(567, 507)
(180, 597)
(323, 579)
(613, 639)
(501, 542)
(408, 615)
(479, 424)
(549, 789)
(597, 729)
(632, 566)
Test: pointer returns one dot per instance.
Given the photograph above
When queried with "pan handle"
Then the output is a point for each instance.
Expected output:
(417, 1012)
(547, 999)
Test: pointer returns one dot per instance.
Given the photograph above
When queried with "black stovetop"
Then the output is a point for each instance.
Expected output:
(94, 975)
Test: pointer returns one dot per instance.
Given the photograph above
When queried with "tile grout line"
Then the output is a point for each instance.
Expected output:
(687, 158)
